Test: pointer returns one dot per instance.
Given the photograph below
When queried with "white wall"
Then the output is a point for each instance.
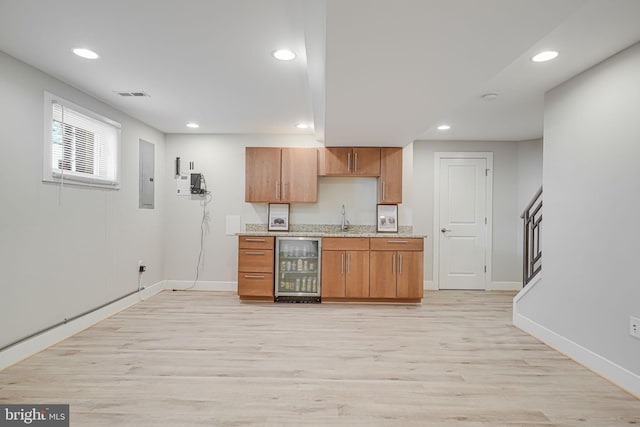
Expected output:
(505, 261)
(58, 260)
(590, 283)
(529, 171)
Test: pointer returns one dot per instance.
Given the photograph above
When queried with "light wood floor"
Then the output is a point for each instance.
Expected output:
(206, 359)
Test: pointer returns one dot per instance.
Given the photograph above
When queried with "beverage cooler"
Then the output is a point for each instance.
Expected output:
(297, 269)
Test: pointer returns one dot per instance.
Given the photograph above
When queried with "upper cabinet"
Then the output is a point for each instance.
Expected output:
(281, 175)
(299, 174)
(390, 179)
(356, 161)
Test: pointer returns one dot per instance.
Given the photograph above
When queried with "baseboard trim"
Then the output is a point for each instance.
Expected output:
(504, 286)
(532, 284)
(609, 370)
(431, 285)
(31, 346)
(201, 285)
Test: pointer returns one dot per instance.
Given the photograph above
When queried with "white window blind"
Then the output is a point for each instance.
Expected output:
(81, 147)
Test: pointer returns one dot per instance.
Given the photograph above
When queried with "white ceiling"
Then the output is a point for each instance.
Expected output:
(368, 72)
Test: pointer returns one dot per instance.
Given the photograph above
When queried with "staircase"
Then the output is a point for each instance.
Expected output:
(532, 254)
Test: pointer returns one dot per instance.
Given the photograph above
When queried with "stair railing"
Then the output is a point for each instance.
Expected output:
(532, 253)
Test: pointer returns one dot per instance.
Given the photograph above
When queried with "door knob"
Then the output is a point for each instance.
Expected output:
(444, 230)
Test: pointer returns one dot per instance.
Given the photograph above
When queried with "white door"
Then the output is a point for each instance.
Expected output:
(462, 223)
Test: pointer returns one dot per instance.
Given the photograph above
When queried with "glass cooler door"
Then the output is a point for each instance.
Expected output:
(297, 267)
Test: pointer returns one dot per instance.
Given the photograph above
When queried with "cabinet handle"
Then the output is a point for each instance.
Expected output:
(393, 268)
(342, 257)
(277, 190)
(254, 253)
(384, 190)
(284, 190)
(355, 162)
(253, 239)
(349, 162)
(397, 241)
(253, 277)
(401, 264)
(348, 263)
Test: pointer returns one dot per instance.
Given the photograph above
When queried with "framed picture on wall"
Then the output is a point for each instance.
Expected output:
(387, 221)
(278, 217)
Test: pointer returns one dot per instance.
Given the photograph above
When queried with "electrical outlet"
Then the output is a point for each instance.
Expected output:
(634, 327)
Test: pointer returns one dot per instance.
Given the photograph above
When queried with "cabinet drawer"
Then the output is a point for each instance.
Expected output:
(396, 244)
(256, 242)
(255, 284)
(345, 244)
(255, 260)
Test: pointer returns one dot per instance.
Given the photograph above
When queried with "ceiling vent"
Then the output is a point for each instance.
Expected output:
(138, 93)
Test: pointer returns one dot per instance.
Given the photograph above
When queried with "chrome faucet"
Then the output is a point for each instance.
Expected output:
(344, 225)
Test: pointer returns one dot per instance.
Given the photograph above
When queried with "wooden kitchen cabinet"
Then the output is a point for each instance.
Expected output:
(397, 268)
(281, 175)
(255, 267)
(382, 279)
(390, 179)
(299, 175)
(349, 161)
(345, 267)
(410, 280)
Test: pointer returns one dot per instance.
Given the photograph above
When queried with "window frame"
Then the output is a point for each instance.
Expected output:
(51, 174)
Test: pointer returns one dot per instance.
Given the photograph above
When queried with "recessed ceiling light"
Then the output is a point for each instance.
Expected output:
(489, 96)
(302, 126)
(444, 127)
(547, 55)
(193, 125)
(284, 55)
(85, 53)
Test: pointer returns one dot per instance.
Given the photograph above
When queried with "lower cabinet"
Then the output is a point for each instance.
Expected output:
(397, 268)
(396, 274)
(353, 268)
(255, 267)
(373, 269)
(345, 267)
(382, 281)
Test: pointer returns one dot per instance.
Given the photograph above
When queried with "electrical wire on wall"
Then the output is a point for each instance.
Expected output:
(206, 198)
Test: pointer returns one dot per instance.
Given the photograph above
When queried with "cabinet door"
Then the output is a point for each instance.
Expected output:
(365, 161)
(262, 175)
(390, 181)
(334, 161)
(382, 274)
(410, 273)
(333, 267)
(357, 274)
(299, 175)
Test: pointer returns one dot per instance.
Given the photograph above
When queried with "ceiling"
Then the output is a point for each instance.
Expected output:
(368, 72)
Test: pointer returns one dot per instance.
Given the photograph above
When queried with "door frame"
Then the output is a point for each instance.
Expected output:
(488, 254)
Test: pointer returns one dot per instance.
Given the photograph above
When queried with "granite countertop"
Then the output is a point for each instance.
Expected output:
(323, 234)
(328, 230)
